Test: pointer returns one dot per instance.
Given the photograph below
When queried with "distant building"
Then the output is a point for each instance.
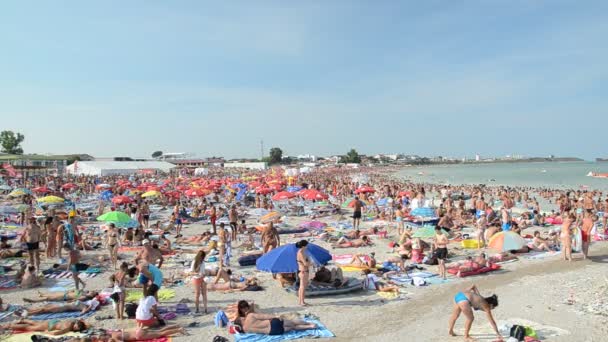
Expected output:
(251, 165)
(40, 164)
(106, 168)
(477, 158)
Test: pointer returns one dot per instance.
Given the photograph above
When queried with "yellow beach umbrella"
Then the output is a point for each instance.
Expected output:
(51, 199)
(20, 192)
(272, 216)
(152, 193)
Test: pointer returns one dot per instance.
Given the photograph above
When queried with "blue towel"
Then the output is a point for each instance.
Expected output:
(61, 315)
(321, 331)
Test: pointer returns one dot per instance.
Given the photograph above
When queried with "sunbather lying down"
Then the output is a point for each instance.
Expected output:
(83, 307)
(333, 277)
(137, 334)
(373, 282)
(66, 296)
(54, 326)
(259, 323)
(345, 243)
(250, 284)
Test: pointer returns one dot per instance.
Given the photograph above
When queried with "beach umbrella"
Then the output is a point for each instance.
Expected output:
(122, 200)
(114, 217)
(294, 188)
(506, 241)
(426, 232)
(283, 195)
(103, 186)
(263, 190)
(5, 187)
(106, 195)
(405, 193)
(272, 216)
(198, 192)
(51, 200)
(312, 194)
(69, 186)
(284, 259)
(41, 190)
(173, 194)
(365, 190)
(20, 192)
(182, 187)
(153, 193)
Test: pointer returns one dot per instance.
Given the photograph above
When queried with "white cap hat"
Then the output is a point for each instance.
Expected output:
(146, 241)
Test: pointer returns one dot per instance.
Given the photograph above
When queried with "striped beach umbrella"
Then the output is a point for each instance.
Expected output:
(507, 241)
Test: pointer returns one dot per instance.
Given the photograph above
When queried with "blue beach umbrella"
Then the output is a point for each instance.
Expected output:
(283, 259)
(106, 195)
(294, 188)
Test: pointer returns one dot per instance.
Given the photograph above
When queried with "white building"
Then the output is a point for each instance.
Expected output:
(106, 168)
(477, 158)
(252, 165)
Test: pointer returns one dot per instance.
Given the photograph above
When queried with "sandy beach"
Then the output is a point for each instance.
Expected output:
(534, 292)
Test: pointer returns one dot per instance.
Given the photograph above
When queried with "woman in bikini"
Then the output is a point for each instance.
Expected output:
(345, 243)
(250, 284)
(467, 301)
(303, 269)
(137, 334)
(113, 244)
(198, 279)
(270, 238)
(53, 327)
(120, 288)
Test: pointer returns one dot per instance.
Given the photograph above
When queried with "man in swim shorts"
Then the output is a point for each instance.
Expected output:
(150, 274)
(31, 236)
(357, 212)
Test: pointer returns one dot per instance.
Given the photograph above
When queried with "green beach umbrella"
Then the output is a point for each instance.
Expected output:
(427, 232)
(114, 217)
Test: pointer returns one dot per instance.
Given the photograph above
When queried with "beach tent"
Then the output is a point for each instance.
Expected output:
(107, 168)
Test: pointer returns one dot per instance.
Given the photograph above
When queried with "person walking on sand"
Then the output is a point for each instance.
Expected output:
(586, 227)
(467, 301)
(303, 270)
(73, 266)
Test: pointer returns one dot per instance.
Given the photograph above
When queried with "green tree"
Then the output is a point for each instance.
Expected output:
(351, 157)
(11, 142)
(276, 155)
(157, 154)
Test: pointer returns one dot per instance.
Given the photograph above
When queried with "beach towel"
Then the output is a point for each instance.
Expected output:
(27, 337)
(345, 259)
(61, 315)
(11, 308)
(538, 255)
(481, 270)
(8, 284)
(136, 295)
(68, 274)
(421, 274)
(320, 332)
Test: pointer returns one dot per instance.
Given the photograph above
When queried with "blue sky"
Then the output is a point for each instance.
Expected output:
(427, 77)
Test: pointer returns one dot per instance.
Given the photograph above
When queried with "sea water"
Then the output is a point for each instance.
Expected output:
(554, 175)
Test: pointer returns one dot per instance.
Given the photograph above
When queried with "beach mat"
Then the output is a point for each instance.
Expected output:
(345, 259)
(320, 332)
(136, 295)
(61, 315)
(68, 274)
(8, 284)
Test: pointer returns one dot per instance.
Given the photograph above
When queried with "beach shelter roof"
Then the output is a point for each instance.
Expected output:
(106, 168)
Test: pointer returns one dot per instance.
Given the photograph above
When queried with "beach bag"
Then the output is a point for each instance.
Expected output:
(219, 338)
(518, 332)
(130, 309)
(531, 333)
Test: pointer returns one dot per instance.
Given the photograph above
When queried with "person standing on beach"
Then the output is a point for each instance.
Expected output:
(31, 237)
(233, 218)
(586, 227)
(441, 250)
(357, 205)
(566, 236)
(73, 266)
(303, 270)
(505, 219)
(213, 219)
(467, 301)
